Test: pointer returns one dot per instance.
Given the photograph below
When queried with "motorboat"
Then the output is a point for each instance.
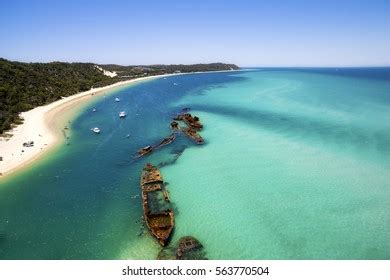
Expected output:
(95, 130)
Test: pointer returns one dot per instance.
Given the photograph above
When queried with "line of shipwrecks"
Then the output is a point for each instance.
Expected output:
(158, 212)
(191, 127)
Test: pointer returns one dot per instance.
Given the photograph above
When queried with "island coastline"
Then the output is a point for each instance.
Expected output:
(43, 125)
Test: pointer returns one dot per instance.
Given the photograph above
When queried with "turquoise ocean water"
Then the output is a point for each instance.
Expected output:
(296, 165)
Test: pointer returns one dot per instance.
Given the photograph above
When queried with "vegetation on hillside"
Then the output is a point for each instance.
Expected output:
(24, 86)
(158, 69)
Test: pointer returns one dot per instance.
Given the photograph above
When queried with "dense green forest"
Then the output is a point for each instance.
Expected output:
(24, 86)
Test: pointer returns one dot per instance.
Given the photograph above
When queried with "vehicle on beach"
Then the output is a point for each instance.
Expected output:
(28, 144)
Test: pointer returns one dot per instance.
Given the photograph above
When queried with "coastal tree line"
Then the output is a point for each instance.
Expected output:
(24, 86)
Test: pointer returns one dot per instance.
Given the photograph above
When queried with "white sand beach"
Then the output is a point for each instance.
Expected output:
(40, 125)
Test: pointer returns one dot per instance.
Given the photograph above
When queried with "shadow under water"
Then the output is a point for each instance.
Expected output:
(340, 135)
(176, 152)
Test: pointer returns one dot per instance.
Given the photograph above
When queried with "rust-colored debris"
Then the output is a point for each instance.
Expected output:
(148, 149)
(193, 134)
(158, 214)
(192, 121)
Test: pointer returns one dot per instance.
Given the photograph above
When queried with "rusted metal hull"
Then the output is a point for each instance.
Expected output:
(160, 222)
(168, 140)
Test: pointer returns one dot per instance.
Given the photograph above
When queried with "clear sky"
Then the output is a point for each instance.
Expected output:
(248, 33)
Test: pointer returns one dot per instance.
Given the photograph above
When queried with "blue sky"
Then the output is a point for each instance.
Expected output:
(248, 33)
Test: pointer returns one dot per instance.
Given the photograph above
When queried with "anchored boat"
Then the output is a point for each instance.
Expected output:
(95, 130)
(158, 213)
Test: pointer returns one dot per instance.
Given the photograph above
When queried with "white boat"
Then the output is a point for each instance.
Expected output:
(117, 99)
(96, 130)
(94, 110)
(175, 84)
(122, 114)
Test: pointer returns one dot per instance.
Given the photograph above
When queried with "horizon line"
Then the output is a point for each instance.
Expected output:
(179, 63)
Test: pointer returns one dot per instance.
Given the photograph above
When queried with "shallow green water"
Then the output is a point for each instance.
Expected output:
(296, 166)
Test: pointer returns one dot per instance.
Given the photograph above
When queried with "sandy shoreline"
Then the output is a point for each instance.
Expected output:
(41, 126)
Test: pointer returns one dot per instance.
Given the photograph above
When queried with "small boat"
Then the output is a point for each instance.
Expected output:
(117, 99)
(128, 136)
(122, 114)
(94, 110)
(95, 130)
(175, 84)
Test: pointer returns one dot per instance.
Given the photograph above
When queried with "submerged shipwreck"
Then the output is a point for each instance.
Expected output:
(193, 134)
(148, 149)
(192, 121)
(187, 248)
(158, 214)
(190, 129)
(193, 125)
